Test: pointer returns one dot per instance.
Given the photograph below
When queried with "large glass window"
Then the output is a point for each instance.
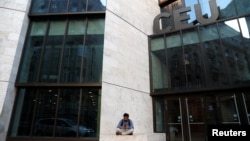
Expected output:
(56, 113)
(215, 65)
(214, 55)
(52, 52)
(93, 51)
(193, 59)
(32, 52)
(175, 61)
(159, 63)
(243, 6)
(48, 56)
(66, 6)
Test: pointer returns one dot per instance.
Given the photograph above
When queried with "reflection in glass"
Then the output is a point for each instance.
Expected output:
(32, 53)
(159, 114)
(77, 5)
(93, 50)
(228, 109)
(175, 132)
(22, 118)
(46, 110)
(175, 61)
(52, 52)
(243, 6)
(233, 50)
(247, 105)
(196, 118)
(54, 112)
(193, 59)
(89, 113)
(58, 5)
(215, 65)
(66, 124)
(174, 119)
(159, 63)
(243, 59)
(73, 52)
(96, 5)
(227, 8)
(40, 6)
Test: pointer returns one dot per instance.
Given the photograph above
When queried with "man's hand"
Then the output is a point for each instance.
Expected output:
(124, 127)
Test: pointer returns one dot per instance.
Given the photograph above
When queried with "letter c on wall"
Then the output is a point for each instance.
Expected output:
(156, 27)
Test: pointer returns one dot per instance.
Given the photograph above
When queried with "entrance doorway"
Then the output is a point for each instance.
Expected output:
(187, 116)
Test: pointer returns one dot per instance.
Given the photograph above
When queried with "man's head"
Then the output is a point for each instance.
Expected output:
(125, 116)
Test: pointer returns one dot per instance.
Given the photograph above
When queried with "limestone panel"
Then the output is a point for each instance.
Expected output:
(125, 60)
(138, 13)
(117, 100)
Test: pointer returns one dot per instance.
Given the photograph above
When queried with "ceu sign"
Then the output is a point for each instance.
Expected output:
(179, 17)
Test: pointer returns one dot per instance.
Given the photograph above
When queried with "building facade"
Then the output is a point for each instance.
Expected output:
(69, 69)
(75, 61)
(200, 67)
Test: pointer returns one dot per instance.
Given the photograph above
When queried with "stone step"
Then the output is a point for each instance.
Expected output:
(135, 137)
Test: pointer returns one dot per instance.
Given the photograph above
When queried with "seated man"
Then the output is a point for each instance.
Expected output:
(125, 126)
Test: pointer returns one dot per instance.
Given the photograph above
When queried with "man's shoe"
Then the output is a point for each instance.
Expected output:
(118, 133)
(130, 134)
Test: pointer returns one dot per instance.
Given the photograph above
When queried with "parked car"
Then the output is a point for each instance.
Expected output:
(64, 127)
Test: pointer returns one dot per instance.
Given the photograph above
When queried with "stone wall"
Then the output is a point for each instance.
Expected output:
(126, 86)
(13, 27)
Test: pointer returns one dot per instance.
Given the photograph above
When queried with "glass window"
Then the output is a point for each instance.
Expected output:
(80, 49)
(58, 5)
(242, 56)
(174, 119)
(93, 50)
(96, 5)
(68, 107)
(159, 63)
(246, 97)
(45, 112)
(32, 52)
(39, 6)
(89, 113)
(52, 52)
(77, 5)
(243, 6)
(227, 8)
(233, 51)
(73, 52)
(214, 61)
(22, 119)
(52, 112)
(159, 114)
(193, 59)
(228, 109)
(175, 61)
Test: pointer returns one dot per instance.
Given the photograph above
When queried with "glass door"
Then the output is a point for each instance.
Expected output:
(195, 122)
(187, 117)
(174, 120)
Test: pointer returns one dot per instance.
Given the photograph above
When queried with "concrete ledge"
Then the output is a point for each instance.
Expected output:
(135, 137)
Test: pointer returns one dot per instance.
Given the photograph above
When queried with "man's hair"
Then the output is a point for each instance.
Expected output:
(126, 115)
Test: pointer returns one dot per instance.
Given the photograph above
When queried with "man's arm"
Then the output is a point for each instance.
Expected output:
(131, 124)
(119, 124)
